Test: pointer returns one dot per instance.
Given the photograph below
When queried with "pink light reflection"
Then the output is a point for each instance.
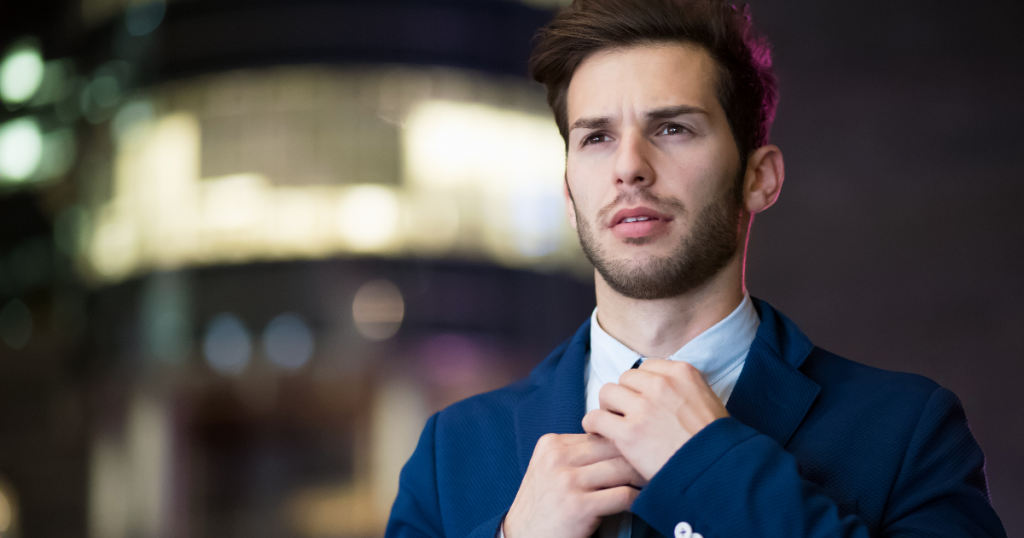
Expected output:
(450, 360)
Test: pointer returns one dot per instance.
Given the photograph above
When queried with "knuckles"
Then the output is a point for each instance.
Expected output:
(547, 441)
(566, 480)
(661, 385)
(690, 373)
(550, 452)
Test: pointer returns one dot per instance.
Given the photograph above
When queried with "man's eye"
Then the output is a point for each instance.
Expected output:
(594, 138)
(672, 129)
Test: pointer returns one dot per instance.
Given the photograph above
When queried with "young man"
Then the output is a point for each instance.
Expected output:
(684, 407)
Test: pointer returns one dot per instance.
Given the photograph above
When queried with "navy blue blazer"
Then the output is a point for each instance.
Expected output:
(816, 445)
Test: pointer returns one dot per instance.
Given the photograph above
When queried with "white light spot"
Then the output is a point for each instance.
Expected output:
(368, 217)
(21, 149)
(21, 74)
(378, 310)
(227, 345)
(114, 245)
(288, 342)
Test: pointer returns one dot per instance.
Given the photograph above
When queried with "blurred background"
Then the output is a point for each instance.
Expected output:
(248, 247)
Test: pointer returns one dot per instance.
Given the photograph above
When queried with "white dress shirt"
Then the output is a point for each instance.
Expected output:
(719, 353)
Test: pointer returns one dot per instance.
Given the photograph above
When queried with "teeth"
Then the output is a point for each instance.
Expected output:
(636, 219)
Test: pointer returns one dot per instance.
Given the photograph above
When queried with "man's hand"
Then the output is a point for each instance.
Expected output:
(653, 411)
(572, 481)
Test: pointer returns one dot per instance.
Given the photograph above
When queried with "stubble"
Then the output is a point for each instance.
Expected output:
(700, 254)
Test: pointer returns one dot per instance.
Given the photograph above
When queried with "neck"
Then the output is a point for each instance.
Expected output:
(660, 327)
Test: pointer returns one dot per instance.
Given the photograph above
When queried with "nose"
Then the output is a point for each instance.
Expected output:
(632, 162)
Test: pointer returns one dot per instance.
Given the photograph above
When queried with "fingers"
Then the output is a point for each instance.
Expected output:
(606, 502)
(604, 423)
(656, 376)
(608, 474)
(678, 369)
(571, 438)
(618, 399)
(575, 450)
(594, 450)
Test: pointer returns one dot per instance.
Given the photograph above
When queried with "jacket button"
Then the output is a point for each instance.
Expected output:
(684, 530)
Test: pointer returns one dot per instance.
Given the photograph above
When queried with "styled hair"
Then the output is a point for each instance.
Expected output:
(746, 86)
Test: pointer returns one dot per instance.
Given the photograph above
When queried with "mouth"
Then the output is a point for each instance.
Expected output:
(638, 214)
(638, 222)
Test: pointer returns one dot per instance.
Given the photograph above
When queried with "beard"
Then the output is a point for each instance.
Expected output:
(700, 255)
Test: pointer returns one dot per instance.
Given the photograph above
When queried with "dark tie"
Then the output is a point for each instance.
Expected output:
(640, 528)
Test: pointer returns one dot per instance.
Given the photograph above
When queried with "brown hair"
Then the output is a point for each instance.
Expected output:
(746, 84)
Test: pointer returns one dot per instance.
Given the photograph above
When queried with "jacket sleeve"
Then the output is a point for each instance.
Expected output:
(941, 486)
(730, 480)
(417, 511)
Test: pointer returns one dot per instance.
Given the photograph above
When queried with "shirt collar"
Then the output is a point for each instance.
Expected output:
(715, 352)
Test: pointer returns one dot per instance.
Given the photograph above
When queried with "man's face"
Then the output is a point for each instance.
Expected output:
(652, 169)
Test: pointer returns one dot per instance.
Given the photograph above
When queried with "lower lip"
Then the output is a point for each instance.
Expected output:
(644, 228)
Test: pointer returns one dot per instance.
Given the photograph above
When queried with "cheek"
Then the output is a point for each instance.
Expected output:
(584, 185)
(702, 171)
(686, 173)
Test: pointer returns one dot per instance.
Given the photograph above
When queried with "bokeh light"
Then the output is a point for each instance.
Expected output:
(105, 90)
(142, 17)
(378, 310)
(130, 117)
(288, 341)
(227, 345)
(58, 154)
(21, 73)
(369, 217)
(21, 149)
(6, 509)
(451, 360)
(15, 324)
(101, 95)
(437, 177)
(68, 229)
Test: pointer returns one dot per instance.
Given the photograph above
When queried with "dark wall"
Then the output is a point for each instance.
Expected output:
(896, 241)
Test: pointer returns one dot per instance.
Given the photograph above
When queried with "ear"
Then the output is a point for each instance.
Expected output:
(763, 180)
(570, 205)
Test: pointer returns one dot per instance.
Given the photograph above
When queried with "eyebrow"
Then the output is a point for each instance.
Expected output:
(656, 114)
(591, 123)
(672, 111)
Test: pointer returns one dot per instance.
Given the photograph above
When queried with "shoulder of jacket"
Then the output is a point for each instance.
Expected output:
(832, 371)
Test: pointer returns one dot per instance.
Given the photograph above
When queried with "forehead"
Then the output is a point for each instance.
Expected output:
(642, 78)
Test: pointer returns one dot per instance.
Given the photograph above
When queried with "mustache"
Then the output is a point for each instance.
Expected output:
(663, 204)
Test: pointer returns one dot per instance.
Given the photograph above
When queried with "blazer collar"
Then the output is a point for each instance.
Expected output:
(557, 402)
(771, 395)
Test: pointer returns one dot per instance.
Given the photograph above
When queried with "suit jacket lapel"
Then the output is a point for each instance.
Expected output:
(771, 395)
(557, 403)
